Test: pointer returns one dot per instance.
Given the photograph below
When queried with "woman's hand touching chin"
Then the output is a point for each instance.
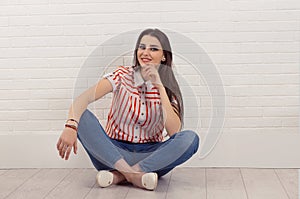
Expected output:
(150, 72)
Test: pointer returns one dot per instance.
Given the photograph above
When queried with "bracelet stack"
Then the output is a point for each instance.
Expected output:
(73, 126)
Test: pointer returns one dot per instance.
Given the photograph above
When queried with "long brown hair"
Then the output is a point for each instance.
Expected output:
(165, 69)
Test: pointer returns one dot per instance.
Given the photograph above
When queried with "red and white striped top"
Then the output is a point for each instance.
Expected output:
(136, 112)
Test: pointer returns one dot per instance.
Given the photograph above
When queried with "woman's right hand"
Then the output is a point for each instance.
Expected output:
(68, 138)
(66, 141)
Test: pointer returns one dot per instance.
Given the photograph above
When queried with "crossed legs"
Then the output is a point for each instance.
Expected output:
(132, 165)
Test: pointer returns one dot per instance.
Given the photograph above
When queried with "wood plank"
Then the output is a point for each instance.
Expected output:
(159, 193)
(262, 184)
(187, 183)
(225, 183)
(290, 181)
(40, 184)
(111, 192)
(12, 179)
(76, 185)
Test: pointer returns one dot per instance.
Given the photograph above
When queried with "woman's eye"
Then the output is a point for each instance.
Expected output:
(154, 49)
(143, 47)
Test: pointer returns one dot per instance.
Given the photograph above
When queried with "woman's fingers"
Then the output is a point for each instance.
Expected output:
(75, 147)
(69, 149)
(150, 73)
(61, 152)
(58, 143)
(64, 150)
(61, 144)
(154, 77)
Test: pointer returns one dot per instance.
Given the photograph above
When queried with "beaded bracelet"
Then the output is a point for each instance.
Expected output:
(73, 120)
(71, 126)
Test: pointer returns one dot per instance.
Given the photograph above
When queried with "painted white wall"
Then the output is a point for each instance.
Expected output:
(254, 45)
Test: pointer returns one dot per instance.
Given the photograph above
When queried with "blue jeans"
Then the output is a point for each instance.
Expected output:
(159, 157)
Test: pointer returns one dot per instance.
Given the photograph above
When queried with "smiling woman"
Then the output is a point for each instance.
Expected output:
(160, 55)
(131, 147)
(150, 51)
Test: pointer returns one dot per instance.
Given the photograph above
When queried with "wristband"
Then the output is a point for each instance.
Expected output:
(73, 120)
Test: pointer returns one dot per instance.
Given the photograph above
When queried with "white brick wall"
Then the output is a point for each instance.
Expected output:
(253, 43)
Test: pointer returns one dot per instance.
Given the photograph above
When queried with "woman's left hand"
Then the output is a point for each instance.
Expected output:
(151, 73)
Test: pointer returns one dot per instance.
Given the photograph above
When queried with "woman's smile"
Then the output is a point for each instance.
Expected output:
(146, 60)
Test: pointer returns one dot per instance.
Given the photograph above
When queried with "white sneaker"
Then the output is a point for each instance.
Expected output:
(149, 181)
(104, 178)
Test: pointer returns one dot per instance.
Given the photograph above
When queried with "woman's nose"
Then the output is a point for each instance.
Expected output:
(146, 51)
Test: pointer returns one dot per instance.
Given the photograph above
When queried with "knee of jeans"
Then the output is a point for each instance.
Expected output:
(192, 138)
(85, 117)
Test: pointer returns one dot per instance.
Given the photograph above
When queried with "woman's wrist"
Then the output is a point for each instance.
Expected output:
(73, 121)
(72, 124)
(71, 127)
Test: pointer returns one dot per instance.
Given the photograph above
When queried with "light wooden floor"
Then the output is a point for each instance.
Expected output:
(187, 183)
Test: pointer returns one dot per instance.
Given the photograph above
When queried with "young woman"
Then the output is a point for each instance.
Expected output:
(146, 100)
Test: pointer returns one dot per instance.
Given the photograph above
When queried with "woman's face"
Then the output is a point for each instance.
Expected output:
(149, 51)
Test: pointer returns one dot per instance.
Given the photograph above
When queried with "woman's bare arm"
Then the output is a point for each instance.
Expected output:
(68, 138)
(92, 94)
(171, 119)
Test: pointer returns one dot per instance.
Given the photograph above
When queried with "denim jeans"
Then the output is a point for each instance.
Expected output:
(159, 157)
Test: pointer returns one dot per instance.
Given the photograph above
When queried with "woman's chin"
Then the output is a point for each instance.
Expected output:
(145, 64)
(150, 64)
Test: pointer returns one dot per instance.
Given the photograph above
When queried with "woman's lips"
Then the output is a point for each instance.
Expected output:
(145, 60)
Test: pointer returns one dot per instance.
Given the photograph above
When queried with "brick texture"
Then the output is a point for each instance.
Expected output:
(253, 44)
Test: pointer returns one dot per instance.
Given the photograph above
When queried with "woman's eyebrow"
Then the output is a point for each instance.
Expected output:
(151, 45)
